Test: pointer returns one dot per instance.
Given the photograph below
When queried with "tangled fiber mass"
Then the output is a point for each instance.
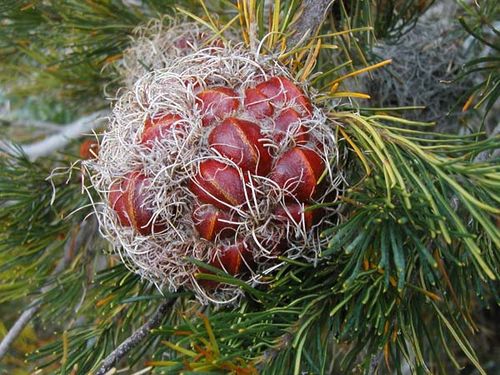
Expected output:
(426, 63)
(216, 153)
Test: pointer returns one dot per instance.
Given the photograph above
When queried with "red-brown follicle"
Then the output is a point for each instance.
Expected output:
(242, 142)
(217, 103)
(234, 259)
(117, 198)
(159, 127)
(296, 213)
(289, 118)
(218, 184)
(298, 171)
(257, 104)
(282, 90)
(89, 149)
(131, 205)
(211, 222)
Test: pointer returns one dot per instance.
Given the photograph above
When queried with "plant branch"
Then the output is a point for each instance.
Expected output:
(29, 123)
(66, 134)
(135, 339)
(70, 247)
(17, 328)
(311, 18)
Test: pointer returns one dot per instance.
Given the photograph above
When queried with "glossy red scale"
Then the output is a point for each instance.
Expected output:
(242, 142)
(217, 103)
(298, 171)
(138, 208)
(257, 104)
(273, 89)
(282, 90)
(234, 259)
(117, 198)
(288, 118)
(211, 222)
(218, 184)
(160, 127)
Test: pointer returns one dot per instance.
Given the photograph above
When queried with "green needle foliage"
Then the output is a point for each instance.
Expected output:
(113, 293)
(408, 257)
(389, 19)
(33, 231)
(414, 257)
(479, 22)
(61, 48)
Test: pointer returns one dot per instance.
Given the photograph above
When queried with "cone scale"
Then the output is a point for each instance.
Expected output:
(216, 161)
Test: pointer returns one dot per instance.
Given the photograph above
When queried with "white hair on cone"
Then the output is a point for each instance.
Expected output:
(169, 85)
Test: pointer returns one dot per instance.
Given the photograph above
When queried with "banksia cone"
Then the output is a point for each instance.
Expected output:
(217, 157)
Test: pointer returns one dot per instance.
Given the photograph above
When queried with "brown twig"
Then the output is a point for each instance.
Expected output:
(311, 18)
(114, 357)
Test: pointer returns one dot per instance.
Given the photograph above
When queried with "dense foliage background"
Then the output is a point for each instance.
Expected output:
(409, 281)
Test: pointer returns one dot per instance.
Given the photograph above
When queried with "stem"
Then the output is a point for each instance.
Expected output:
(66, 134)
(16, 329)
(132, 341)
(73, 244)
(29, 123)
